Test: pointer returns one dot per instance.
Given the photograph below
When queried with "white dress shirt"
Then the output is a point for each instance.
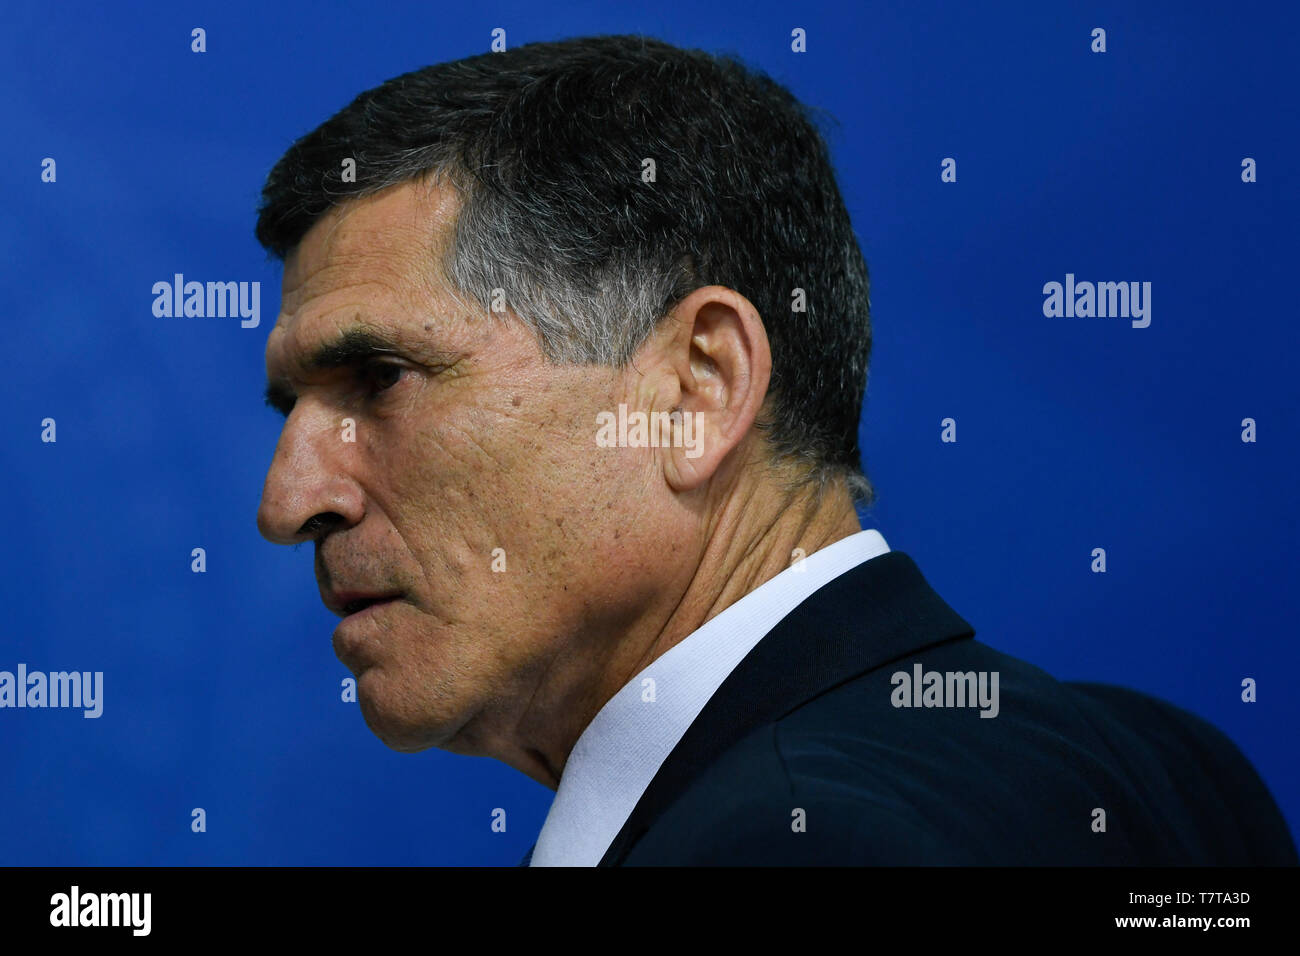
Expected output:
(629, 739)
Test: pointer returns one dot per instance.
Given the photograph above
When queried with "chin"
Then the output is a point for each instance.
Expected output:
(398, 728)
(397, 734)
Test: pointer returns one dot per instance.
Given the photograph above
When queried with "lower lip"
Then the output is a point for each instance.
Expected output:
(350, 646)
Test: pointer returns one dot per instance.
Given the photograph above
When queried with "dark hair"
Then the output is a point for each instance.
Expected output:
(545, 144)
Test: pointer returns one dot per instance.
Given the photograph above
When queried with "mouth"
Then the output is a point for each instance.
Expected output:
(352, 607)
(348, 604)
(353, 637)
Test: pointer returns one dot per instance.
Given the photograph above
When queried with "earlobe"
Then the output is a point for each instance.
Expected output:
(687, 465)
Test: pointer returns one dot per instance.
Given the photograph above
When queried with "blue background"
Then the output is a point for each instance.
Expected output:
(221, 689)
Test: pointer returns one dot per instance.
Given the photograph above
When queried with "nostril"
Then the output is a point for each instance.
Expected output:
(318, 524)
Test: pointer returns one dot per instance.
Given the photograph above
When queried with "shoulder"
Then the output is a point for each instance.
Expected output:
(850, 778)
(1180, 753)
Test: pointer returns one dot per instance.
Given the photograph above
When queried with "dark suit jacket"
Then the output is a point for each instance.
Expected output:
(807, 722)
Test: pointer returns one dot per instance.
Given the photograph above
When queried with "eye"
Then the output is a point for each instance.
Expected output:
(381, 376)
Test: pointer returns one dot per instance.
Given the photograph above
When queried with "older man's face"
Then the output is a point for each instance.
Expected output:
(465, 451)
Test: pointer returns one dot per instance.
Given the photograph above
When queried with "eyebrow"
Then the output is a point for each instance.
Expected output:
(351, 348)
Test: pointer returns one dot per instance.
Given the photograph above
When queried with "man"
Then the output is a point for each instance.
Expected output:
(572, 351)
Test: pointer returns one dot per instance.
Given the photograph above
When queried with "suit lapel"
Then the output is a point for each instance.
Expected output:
(876, 613)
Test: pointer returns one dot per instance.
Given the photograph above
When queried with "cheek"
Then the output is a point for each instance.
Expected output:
(505, 501)
(469, 500)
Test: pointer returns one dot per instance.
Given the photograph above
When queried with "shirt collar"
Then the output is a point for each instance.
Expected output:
(623, 747)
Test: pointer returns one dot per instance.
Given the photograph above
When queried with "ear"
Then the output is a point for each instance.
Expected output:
(722, 361)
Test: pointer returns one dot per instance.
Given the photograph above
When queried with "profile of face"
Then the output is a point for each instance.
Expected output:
(479, 544)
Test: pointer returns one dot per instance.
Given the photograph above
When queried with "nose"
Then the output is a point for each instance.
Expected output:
(309, 489)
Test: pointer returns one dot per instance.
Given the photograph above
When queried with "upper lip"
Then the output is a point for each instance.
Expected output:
(344, 603)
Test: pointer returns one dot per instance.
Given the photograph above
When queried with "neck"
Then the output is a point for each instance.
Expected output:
(751, 537)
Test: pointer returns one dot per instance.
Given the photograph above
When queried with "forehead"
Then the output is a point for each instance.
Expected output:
(377, 257)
